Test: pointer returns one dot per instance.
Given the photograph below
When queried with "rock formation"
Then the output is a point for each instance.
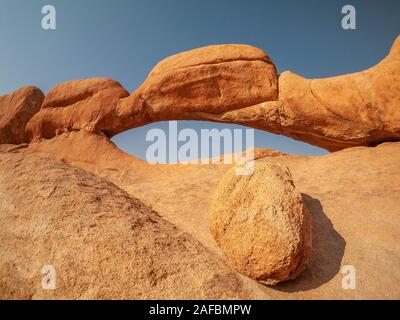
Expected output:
(16, 110)
(353, 197)
(74, 105)
(209, 80)
(102, 243)
(335, 113)
(237, 84)
(261, 224)
(95, 233)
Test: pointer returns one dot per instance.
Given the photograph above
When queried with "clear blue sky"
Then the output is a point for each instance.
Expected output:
(123, 40)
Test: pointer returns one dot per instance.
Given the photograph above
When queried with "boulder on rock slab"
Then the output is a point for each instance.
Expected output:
(261, 224)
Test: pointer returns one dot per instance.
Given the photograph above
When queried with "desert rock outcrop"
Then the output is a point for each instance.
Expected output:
(16, 109)
(353, 197)
(211, 79)
(236, 84)
(102, 243)
(359, 109)
(208, 80)
(105, 243)
(79, 104)
(261, 224)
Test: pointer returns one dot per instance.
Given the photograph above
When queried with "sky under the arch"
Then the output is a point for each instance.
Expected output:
(124, 39)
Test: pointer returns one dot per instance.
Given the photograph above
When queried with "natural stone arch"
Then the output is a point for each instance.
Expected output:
(236, 84)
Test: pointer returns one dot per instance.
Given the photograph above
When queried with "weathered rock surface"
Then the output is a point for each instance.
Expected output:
(80, 104)
(102, 243)
(89, 151)
(353, 197)
(209, 80)
(236, 84)
(16, 109)
(261, 224)
(357, 109)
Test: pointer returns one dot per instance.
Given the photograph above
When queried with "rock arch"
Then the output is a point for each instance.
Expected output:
(235, 84)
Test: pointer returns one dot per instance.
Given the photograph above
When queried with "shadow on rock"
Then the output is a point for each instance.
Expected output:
(328, 250)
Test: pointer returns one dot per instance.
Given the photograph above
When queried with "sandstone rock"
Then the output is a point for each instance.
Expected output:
(102, 243)
(80, 104)
(16, 109)
(261, 224)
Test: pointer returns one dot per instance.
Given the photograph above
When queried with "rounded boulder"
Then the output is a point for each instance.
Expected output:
(261, 224)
